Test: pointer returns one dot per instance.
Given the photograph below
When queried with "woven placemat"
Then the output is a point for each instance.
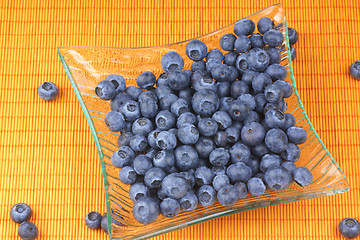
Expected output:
(47, 155)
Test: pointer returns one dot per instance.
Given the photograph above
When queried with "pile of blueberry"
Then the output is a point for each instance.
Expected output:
(21, 213)
(213, 133)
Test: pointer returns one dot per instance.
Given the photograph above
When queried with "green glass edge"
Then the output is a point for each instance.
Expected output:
(292, 77)
(93, 132)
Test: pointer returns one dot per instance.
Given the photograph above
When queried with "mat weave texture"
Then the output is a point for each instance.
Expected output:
(48, 157)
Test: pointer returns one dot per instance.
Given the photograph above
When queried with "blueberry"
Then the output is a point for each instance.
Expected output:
(249, 100)
(273, 38)
(268, 161)
(259, 150)
(302, 176)
(239, 88)
(188, 134)
(254, 164)
(205, 102)
(178, 80)
(355, 70)
(217, 170)
(133, 92)
(212, 63)
(203, 81)
(118, 82)
(219, 157)
(164, 159)
(222, 119)
(153, 177)
(179, 107)
(274, 54)
(162, 80)
(141, 164)
(166, 101)
(227, 41)
(286, 87)
(204, 146)
(207, 127)
(196, 50)
(124, 139)
(161, 194)
(189, 177)
(240, 153)
(276, 140)
(275, 118)
(239, 172)
(220, 181)
(244, 27)
(220, 73)
(142, 126)
(265, 24)
(146, 96)
(169, 207)
(151, 138)
(256, 186)
(257, 41)
(296, 135)
(238, 110)
(273, 107)
(199, 65)
(228, 195)
(242, 44)
(127, 127)
(252, 134)
(291, 152)
(122, 157)
(252, 117)
(230, 58)
(130, 109)
(223, 89)
(186, 157)
(233, 74)
(282, 105)
(242, 63)
(233, 134)
(220, 138)
(151, 152)
(277, 178)
(105, 90)
(138, 191)
(206, 195)
(138, 143)
(165, 120)
(186, 118)
(186, 94)
(349, 228)
(93, 220)
(188, 202)
(172, 61)
(248, 77)
(243, 192)
(215, 54)
(289, 121)
(260, 101)
(119, 99)
(258, 59)
(225, 103)
(203, 176)
(273, 93)
(104, 224)
(127, 175)
(293, 36)
(175, 185)
(166, 140)
(20, 212)
(28, 231)
(276, 71)
(260, 82)
(146, 210)
(290, 166)
(292, 53)
(162, 91)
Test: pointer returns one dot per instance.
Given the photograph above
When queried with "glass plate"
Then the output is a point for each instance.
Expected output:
(86, 66)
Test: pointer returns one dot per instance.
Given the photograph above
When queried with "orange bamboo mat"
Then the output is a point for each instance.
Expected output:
(47, 155)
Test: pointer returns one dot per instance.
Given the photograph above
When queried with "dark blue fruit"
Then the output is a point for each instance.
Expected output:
(133, 92)
(256, 186)
(228, 195)
(219, 157)
(296, 135)
(265, 24)
(252, 134)
(196, 50)
(28, 231)
(349, 228)
(20, 212)
(146, 210)
(244, 27)
(172, 61)
(302, 176)
(105, 90)
(273, 38)
(188, 202)
(93, 220)
(293, 36)
(206, 195)
(230, 58)
(242, 44)
(277, 178)
(169, 207)
(355, 70)
(257, 41)
(186, 157)
(227, 41)
(205, 102)
(276, 140)
(276, 71)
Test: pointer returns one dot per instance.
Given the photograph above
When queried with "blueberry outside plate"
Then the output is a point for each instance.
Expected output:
(86, 66)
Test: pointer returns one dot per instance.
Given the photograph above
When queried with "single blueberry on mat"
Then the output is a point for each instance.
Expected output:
(20, 212)
(293, 53)
(355, 70)
(349, 228)
(93, 220)
(104, 225)
(28, 231)
(49, 91)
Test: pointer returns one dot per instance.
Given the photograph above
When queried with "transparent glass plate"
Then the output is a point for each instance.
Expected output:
(86, 66)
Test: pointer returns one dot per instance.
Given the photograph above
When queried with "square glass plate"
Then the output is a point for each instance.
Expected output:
(86, 66)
